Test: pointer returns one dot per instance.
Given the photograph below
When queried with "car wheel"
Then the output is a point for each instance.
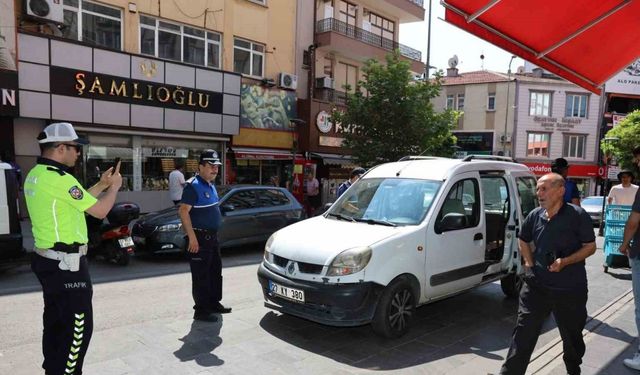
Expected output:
(395, 310)
(511, 285)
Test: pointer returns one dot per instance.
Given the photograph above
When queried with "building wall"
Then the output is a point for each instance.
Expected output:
(526, 123)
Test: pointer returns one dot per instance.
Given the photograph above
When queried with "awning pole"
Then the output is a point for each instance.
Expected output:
(485, 8)
(584, 28)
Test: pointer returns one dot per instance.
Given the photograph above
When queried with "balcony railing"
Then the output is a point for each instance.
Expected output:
(332, 24)
(330, 95)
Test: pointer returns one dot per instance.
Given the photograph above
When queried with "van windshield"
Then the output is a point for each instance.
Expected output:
(390, 201)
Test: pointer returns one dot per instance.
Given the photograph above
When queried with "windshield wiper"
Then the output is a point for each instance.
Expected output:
(341, 217)
(374, 221)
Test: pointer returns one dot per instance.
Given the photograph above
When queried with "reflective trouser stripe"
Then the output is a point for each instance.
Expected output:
(75, 345)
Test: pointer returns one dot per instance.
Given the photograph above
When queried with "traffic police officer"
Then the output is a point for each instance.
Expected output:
(200, 216)
(56, 203)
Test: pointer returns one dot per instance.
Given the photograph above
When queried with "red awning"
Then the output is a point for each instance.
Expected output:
(583, 41)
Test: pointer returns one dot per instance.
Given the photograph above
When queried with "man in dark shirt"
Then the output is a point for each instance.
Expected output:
(631, 247)
(201, 217)
(555, 239)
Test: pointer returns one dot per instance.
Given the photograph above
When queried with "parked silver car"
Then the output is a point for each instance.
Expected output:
(250, 214)
(593, 206)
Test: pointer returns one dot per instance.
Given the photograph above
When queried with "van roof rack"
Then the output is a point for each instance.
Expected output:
(488, 157)
(409, 157)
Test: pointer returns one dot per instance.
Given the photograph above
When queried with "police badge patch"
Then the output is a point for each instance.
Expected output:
(207, 195)
(76, 192)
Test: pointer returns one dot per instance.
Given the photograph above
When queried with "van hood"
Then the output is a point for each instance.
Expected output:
(318, 240)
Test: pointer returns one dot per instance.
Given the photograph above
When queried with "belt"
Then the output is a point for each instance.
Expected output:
(205, 231)
(58, 255)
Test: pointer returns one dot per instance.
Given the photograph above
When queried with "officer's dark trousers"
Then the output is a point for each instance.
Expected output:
(206, 273)
(570, 312)
(68, 316)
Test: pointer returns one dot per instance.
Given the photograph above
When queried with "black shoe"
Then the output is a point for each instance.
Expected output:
(220, 309)
(205, 317)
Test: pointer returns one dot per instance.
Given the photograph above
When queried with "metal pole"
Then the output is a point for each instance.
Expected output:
(506, 112)
(428, 66)
(604, 198)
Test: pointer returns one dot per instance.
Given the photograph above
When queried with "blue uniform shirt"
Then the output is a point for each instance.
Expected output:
(203, 197)
(562, 236)
(570, 191)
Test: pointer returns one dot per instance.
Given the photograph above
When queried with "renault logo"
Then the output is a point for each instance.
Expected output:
(290, 268)
(148, 68)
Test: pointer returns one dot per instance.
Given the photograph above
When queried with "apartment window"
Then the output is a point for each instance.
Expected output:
(347, 12)
(248, 57)
(178, 42)
(460, 106)
(382, 26)
(93, 23)
(491, 102)
(576, 106)
(573, 146)
(347, 75)
(538, 144)
(451, 100)
(328, 67)
(540, 104)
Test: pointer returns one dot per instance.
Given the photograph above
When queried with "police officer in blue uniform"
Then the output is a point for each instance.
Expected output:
(201, 218)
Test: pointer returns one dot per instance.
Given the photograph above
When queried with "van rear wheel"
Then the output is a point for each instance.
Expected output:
(511, 285)
(395, 310)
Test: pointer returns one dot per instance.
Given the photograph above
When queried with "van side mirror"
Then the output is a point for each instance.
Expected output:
(452, 221)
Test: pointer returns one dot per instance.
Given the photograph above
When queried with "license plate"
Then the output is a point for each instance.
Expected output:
(140, 240)
(125, 242)
(286, 292)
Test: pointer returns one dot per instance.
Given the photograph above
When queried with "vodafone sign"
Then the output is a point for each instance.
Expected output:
(578, 170)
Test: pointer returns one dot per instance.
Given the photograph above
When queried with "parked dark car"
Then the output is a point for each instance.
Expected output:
(250, 214)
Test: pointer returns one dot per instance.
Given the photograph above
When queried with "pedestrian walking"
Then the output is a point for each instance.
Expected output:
(201, 218)
(313, 193)
(571, 192)
(554, 241)
(176, 183)
(56, 202)
(625, 192)
(631, 247)
(356, 173)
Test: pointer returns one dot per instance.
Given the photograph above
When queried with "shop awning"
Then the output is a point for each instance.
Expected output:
(583, 41)
(345, 161)
(263, 154)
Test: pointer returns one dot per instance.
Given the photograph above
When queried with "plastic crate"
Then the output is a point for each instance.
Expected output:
(617, 213)
(611, 246)
(614, 230)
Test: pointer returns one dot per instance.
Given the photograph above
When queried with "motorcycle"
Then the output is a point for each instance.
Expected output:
(111, 239)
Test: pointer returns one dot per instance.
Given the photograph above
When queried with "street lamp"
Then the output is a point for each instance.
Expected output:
(506, 112)
(606, 184)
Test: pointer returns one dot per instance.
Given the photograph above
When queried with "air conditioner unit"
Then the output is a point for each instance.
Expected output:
(50, 10)
(288, 81)
(324, 83)
(505, 138)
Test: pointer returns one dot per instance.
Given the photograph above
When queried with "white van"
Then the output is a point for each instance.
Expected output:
(406, 234)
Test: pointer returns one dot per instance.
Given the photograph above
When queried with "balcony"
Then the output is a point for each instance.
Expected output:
(330, 95)
(405, 10)
(340, 36)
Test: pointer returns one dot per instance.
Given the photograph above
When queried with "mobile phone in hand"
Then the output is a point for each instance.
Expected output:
(115, 164)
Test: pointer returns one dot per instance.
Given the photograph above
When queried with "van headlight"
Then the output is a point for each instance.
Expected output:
(268, 256)
(350, 261)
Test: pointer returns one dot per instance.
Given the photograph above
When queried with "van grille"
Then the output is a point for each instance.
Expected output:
(280, 261)
(303, 267)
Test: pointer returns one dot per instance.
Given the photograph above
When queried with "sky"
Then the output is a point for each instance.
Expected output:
(448, 40)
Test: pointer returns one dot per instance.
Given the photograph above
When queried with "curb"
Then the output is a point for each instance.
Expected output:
(548, 357)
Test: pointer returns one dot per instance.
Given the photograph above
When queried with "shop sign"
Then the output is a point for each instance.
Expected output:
(91, 85)
(262, 108)
(575, 170)
(323, 122)
(617, 118)
(565, 123)
(165, 152)
(626, 81)
(330, 141)
(9, 93)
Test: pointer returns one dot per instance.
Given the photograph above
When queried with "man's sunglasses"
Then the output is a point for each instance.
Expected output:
(76, 146)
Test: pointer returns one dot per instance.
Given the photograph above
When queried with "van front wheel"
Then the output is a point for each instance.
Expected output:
(511, 285)
(395, 310)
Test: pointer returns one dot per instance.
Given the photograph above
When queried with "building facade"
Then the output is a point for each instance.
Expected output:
(154, 83)
(555, 118)
(485, 100)
(335, 38)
